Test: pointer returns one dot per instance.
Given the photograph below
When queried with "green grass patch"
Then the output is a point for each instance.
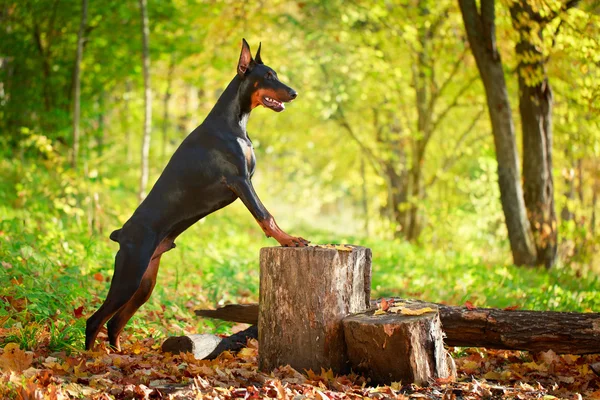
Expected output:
(55, 270)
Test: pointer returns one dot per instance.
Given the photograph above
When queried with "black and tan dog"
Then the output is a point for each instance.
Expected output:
(211, 168)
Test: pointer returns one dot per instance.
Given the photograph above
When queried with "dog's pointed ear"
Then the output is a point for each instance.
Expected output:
(257, 57)
(245, 59)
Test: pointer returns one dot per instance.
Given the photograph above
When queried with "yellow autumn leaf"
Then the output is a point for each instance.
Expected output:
(536, 367)
(470, 367)
(246, 353)
(327, 374)
(397, 308)
(343, 247)
(420, 311)
(15, 359)
(379, 312)
(495, 376)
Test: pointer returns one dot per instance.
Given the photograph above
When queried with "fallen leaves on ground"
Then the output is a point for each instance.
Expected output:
(142, 371)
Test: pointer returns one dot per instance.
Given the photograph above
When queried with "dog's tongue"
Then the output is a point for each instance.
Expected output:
(275, 104)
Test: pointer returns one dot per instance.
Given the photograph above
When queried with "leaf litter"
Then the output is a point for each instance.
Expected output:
(142, 371)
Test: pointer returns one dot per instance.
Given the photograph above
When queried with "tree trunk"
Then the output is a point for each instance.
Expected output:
(77, 84)
(566, 213)
(304, 295)
(595, 190)
(125, 122)
(395, 347)
(166, 98)
(414, 223)
(397, 194)
(147, 100)
(535, 106)
(481, 32)
(563, 332)
(100, 133)
(421, 69)
(364, 197)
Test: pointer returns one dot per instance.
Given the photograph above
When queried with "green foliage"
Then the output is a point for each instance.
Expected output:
(55, 271)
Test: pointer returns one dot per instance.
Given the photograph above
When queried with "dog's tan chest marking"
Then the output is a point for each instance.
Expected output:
(248, 154)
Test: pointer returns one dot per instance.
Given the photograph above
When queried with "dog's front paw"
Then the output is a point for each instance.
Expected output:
(291, 241)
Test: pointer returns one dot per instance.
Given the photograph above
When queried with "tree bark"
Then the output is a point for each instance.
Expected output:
(535, 106)
(304, 295)
(481, 32)
(166, 99)
(101, 132)
(364, 196)
(125, 121)
(567, 213)
(77, 83)
(395, 347)
(595, 190)
(147, 100)
(563, 332)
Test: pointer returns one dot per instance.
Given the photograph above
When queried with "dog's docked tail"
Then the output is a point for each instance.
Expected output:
(115, 235)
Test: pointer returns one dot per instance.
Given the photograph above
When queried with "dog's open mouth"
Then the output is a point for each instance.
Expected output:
(273, 104)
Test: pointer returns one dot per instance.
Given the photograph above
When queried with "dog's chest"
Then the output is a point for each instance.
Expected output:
(248, 152)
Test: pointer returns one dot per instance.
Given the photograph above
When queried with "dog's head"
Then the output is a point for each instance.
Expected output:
(261, 82)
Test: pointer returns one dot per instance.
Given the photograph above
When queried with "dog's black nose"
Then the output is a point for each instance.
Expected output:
(293, 94)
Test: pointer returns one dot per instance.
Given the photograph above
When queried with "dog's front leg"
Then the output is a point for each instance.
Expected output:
(245, 191)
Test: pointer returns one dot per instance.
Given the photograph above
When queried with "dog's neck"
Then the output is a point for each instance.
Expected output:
(233, 106)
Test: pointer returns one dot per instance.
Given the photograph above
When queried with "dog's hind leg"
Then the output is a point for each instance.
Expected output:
(131, 263)
(119, 320)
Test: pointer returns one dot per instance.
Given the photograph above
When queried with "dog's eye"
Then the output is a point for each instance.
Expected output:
(269, 75)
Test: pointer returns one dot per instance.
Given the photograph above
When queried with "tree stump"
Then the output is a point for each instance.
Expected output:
(394, 347)
(304, 295)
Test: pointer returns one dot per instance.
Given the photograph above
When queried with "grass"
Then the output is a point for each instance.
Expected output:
(52, 264)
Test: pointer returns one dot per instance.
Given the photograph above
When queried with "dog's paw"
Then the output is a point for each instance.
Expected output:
(291, 241)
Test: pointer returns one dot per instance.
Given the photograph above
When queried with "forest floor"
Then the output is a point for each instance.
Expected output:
(142, 371)
(56, 265)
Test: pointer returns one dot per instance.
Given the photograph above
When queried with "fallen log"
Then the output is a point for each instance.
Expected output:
(206, 346)
(242, 313)
(562, 332)
(304, 295)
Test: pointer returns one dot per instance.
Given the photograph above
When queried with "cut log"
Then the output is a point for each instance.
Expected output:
(562, 332)
(394, 347)
(243, 313)
(304, 295)
(206, 346)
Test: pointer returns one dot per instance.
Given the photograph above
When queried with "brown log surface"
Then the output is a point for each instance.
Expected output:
(304, 295)
(562, 332)
(243, 313)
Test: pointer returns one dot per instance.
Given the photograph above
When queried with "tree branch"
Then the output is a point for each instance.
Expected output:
(343, 121)
(450, 161)
(453, 103)
(455, 68)
(373, 159)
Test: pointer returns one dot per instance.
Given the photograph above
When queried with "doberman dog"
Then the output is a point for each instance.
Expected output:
(211, 168)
